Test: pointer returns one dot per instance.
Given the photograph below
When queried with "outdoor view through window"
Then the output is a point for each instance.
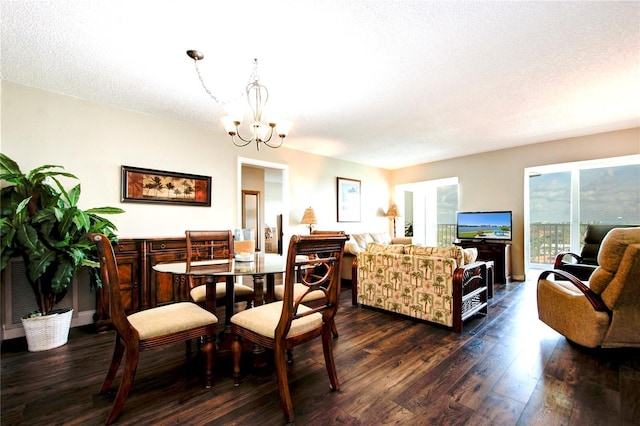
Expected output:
(605, 195)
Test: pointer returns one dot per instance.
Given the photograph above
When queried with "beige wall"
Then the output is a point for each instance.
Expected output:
(93, 140)
(495, 180)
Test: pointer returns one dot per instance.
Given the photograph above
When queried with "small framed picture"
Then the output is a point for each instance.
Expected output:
(348, 200)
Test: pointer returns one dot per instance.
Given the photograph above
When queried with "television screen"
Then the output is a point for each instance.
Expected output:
(483, 225)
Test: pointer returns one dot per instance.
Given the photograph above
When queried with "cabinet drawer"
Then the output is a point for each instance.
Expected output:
(156, 246)
(125, 246)
(167, 257)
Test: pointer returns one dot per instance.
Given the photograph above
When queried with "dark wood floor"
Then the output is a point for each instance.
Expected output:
(505, 369)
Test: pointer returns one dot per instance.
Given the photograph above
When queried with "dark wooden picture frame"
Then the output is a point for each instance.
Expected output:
(348, 199)
(157, 186)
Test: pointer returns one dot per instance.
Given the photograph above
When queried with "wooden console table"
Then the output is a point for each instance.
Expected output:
(499, 253)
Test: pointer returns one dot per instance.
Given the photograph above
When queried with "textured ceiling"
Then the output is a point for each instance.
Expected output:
(384, 83)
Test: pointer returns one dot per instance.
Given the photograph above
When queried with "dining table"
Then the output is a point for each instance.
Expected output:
(261, 267)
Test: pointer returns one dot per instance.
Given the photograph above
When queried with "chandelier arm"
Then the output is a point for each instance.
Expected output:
(274, 146)
(247, 141)
(240, 145)
(268, 138)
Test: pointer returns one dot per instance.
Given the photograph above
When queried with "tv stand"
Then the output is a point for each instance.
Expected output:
(499, 253)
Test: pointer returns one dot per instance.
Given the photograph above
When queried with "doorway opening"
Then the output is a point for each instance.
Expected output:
(269, 183)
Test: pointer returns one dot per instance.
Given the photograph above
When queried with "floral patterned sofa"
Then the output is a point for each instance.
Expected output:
(441, 285)
(358, 243)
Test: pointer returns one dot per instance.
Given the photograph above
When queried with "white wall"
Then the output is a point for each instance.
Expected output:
(495, 180)
(92, 141)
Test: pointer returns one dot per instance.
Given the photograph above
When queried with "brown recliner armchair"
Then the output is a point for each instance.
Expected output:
(582, 265)
(605, 311)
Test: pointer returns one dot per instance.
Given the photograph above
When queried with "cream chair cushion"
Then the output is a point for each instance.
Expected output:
(567, 311)
(199, 294)
(170, 319)
(264, 320)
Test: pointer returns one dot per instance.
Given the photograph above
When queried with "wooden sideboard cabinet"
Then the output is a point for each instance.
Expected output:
(140, 286)
(128, 258)
(499, 253)
(163, 288)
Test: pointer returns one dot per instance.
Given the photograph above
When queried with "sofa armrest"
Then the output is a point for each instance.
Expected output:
(354, 282)
(593, 298)
(467, 279)
(402, 240)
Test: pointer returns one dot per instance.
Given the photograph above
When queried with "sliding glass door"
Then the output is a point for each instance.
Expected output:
(563, 199)
(430, 211)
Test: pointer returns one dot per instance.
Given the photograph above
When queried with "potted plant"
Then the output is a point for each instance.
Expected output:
(41, 223)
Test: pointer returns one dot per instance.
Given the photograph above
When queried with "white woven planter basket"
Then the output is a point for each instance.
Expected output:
(47, 332)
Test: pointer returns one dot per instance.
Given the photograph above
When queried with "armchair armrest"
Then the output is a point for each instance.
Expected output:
(593, 298)
(558, 261)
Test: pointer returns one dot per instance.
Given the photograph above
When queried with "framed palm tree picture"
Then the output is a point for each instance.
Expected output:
(156, 186)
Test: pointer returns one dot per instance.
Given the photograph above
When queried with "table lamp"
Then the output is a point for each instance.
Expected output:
(309, 218)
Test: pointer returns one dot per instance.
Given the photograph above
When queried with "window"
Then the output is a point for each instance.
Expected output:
(430, 211)
(563, 199)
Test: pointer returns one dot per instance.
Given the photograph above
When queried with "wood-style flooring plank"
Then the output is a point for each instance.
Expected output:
(507, 368)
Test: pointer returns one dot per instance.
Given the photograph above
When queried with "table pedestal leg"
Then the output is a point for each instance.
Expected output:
(258, 289)
(224, 339)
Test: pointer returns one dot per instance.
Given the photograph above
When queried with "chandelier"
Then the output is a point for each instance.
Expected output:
(257, 96)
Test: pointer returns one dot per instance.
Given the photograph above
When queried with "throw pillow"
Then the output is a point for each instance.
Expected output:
(395, 249)
(361, 240)
(470, 255)
(381, 238)
(376, 248)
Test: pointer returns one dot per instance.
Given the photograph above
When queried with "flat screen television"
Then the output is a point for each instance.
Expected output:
(483, 225)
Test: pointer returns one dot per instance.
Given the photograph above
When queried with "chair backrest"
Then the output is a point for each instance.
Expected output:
(111, 284)
(617, 259)
(208, 245)
(322, 251)
(593, 236)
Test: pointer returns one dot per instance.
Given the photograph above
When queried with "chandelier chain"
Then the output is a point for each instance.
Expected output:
(211, 95)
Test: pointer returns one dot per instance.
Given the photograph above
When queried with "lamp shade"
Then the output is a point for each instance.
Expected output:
(393, 211)
(309, 217)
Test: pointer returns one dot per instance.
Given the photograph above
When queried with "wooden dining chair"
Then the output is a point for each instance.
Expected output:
(203, 246)
(312, 298)
(284, 324)
(147, 329)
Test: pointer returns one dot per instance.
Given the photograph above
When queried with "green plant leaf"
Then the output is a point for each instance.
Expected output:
(74, 195)
(62, 277)
(38, 264)
(8, 167)
(104, 210)
(27, 238)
